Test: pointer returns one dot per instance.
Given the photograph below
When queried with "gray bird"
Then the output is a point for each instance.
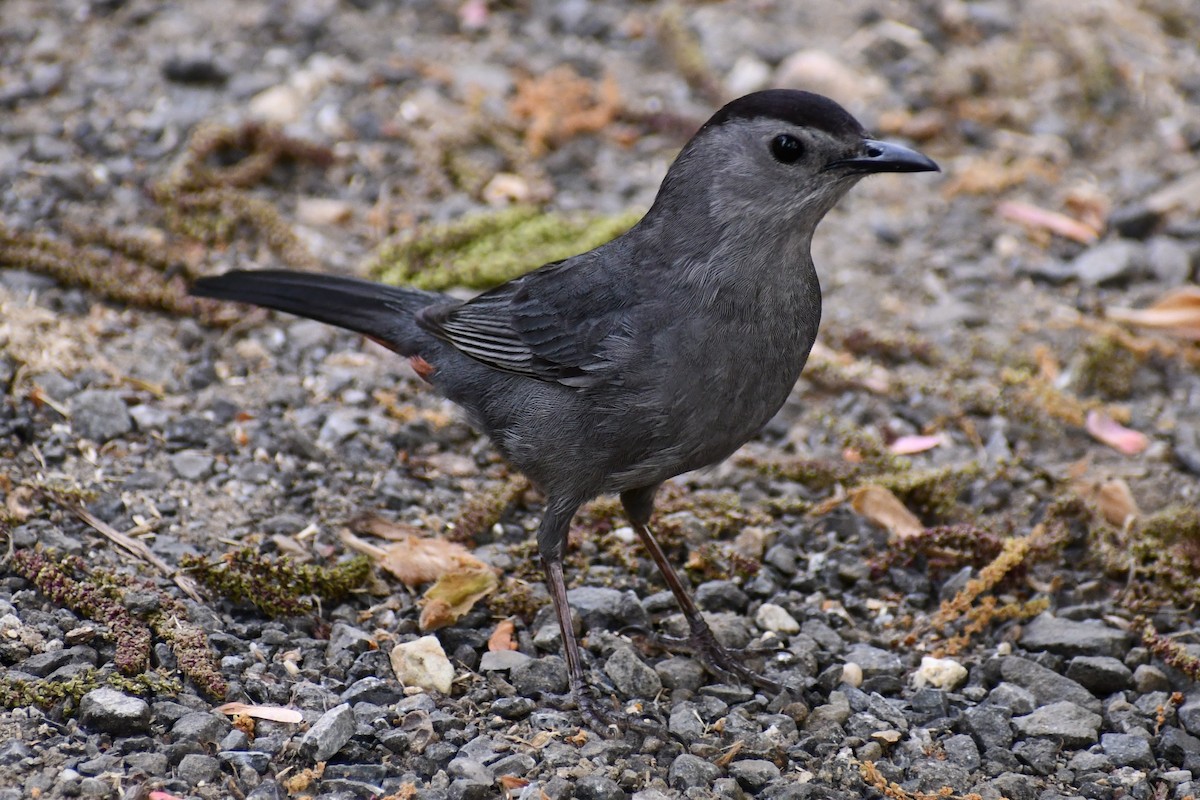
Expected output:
(660, 352)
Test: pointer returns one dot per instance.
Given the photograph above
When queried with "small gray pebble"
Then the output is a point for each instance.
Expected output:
(598, 787)
(1127, 750)
(1064, 721)
(689, 771)
(192, 465)
(547, 675)
(110, 711)
(1101, 675)
(753, 773)
(196, 769)
(329, 734)
(100, 415)
(1149, 678)
(631, 676)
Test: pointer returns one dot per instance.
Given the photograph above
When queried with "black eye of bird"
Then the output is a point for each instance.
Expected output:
(786, 148)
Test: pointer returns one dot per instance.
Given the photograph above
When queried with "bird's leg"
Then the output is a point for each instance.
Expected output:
(715, 657)
(552, 539)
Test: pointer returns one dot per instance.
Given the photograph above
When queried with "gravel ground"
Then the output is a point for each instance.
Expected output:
(996, 648)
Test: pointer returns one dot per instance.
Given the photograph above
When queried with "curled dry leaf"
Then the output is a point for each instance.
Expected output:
(1047, 363)
(272, 713)
(911, 445)
(511, 783)
(1176, 313)
(456, 593)
(416, 559)
(503, 637)
(884, 509)
(1111, 497)
(19, 503)
(1105, 429)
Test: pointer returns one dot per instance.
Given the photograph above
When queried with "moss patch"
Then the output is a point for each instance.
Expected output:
(485, 250)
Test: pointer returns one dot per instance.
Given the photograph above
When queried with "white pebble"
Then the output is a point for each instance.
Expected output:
(423, 663)
(771, 617)
(852, 674)
(940, 673)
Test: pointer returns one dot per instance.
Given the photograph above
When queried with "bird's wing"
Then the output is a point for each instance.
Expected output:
(560, 323)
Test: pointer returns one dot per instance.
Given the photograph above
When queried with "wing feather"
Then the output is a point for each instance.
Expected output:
(561, 323)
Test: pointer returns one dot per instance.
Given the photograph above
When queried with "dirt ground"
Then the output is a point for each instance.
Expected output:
(1001, 418)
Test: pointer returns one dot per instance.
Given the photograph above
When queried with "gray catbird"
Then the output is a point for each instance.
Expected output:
(660, 352)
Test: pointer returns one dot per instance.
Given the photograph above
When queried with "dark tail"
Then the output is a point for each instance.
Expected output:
(384, 313)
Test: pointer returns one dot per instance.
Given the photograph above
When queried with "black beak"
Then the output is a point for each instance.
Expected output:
(885, 157)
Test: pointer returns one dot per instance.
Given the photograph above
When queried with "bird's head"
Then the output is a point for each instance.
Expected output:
(779, 160)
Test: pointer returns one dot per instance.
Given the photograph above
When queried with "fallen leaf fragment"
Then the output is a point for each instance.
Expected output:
(1176, 313)
(502, 637)
(1105, 429)
(417, 559)
(272, 713)
(1032, 216)
(323, 211)
(423, 663)
(883, 508)
(1112, 497)
(1047, 363)
(454, 594)
(910, 445)
(385, 528)
(510, 782)
(726, 758)
(1181, 193)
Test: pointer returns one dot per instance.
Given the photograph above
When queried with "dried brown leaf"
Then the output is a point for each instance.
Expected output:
(1112, 497)
(1047, 363)
(456, 593)
(991, 175)
(385, 528)
(503, 637)
(1176, 313)
(414, 560)
(884, 509)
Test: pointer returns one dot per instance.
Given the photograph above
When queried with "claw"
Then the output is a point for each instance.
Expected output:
(605, 718)
(721, 661)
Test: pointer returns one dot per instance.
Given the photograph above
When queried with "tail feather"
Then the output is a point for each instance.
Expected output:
(384, 313)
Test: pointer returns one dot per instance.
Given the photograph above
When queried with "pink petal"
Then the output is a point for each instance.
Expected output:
(908, 445)
(272, 713)
(473, 14)
(1105, 429)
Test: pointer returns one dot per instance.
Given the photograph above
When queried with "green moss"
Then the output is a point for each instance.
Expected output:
(1107, 369)
(931, 493)
(516, 597)
(44, 693)
(99, 594)
(487, 249)
(482, 510)
(818, 474)
(279, 587)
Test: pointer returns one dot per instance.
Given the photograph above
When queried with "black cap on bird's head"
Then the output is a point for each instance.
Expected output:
(795, 107)
(810, 110)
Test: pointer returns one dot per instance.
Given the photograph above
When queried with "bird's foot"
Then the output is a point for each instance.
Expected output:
(722, 662)
(602, 715)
